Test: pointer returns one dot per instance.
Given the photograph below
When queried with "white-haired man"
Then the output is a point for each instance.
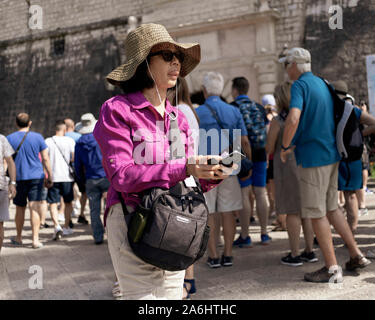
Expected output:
(310, 131)
(226, 199)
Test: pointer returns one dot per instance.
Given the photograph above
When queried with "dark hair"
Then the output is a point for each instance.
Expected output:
(183, 95)
(59, 125)
(22, 120)
(241, 84)
(141, 80)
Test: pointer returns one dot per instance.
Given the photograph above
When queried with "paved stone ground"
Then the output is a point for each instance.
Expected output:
(77, 269)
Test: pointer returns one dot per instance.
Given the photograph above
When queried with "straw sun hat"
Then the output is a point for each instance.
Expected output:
(138, 45)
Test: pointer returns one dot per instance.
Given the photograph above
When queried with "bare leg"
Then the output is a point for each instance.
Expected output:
(83, 201)
(293, 222)
(244, 214)
(62, 206)
(308, 234)
(262, 210)
(282, 219)
(54, 214)
(20, 220)
(252, 202)
(351, 206)
(323, 233)
(218, 223)
(341, 226)
(229, 223)
(35, 220)
(1, 234)
(43, 211)
(211, 246)
(68, 213)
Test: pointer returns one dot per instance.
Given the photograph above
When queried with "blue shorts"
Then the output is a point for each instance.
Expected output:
(60, 189)
(258, 177)
(354, 174)
(28, 189)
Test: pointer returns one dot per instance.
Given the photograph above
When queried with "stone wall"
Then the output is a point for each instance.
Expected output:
(340, 54)
(59, 71)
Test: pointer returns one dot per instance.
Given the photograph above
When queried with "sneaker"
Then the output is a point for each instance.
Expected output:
(308, 257)
(67, 231)
(324, 275)
(243, 243)
(357, 262)
(82, 219)
(265, 239)
(292, 261)
(362, 212)
(44, 225)
(61, 217)
(213, 263)
(368, 191)
(75, 213)
(58, 234)
(226, 261)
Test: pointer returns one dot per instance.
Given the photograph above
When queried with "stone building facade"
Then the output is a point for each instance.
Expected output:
(59, 71)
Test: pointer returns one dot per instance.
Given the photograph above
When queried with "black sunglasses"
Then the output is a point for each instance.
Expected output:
(168, 55)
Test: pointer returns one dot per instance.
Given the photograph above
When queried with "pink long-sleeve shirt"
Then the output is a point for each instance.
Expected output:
(133, 138)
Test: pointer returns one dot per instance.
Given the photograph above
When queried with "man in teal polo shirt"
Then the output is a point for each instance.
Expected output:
(310, 132)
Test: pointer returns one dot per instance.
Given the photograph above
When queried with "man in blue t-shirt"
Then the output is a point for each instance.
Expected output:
(30, 176)
(310, 132)
(256, 121)
(216, 115)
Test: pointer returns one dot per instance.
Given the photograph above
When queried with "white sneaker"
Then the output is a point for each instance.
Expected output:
(67, 231)
(58, 233)
(75, 213)
(77, 205)
(61, 217)
(363, 212)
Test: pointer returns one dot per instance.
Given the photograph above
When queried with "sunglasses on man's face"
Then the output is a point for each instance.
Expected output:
(168, 55)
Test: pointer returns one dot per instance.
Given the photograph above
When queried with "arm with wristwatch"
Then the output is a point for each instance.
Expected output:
(291, 125)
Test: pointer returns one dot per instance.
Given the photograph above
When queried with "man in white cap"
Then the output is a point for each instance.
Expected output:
(88, 164)
(310, 132)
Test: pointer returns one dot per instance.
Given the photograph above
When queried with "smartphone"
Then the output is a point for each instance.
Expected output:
(233, 157)
(228, 159)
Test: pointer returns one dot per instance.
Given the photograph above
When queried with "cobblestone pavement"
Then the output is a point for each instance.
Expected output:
(75, 268)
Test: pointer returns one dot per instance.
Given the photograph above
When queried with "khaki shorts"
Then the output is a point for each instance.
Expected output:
(318, 187)
(225, 197)
(138, 280)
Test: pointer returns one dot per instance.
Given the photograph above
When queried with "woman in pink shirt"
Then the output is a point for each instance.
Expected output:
(132, 132)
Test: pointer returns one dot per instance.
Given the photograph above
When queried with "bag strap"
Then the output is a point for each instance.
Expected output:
(216, 116)
(19, 146)
(68, 163)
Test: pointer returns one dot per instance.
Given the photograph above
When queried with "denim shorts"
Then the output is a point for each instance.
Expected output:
(28, 189)
(60, 189)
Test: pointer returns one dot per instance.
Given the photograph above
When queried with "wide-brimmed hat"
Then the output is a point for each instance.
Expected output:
(138, 45)
(87, 124)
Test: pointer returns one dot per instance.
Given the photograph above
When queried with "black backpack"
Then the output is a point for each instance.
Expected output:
(349, 138)
(169, 228)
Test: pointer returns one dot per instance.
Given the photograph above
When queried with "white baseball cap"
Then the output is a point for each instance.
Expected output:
(297, 55)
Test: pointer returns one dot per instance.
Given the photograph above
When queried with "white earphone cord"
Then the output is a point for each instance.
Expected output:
(157, 90)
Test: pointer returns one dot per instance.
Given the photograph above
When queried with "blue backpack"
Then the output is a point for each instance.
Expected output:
(255, 120)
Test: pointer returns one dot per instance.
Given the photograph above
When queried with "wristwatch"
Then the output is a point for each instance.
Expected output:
(13, 183)
(287, 148)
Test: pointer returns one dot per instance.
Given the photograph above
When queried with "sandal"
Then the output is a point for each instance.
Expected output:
(187, 297)
(15, 242)
(193, 289)
(279, 228)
